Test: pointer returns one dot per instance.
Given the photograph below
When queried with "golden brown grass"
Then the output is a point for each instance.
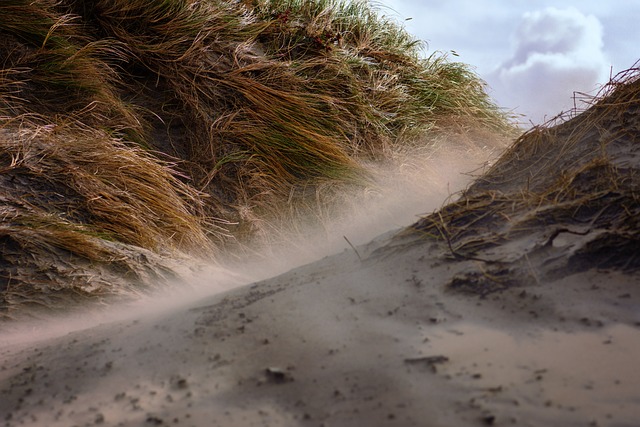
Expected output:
(152, 123)
(85, 214)
(278, 95)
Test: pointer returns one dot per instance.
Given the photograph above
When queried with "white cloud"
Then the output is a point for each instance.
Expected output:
(557, 52)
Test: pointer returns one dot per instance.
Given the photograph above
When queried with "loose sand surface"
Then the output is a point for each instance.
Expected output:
(368, 339)
(517, 304)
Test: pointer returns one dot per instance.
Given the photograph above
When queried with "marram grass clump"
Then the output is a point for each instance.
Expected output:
(178, 127)
(563, 199)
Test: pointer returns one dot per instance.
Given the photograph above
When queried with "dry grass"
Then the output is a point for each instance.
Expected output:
(52, 68)
(78, 208)
(282, 95)
(150, 124)
(96, 180)
(576, 182)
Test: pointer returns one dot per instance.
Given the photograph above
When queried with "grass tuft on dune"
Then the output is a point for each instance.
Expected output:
(180, 127)
(561, 200)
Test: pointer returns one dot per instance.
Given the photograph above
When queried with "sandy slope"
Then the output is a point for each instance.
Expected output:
(344, 342)
(517, 304)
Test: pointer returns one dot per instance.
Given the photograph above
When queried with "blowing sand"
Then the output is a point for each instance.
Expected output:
(344, 342)
(517, 304)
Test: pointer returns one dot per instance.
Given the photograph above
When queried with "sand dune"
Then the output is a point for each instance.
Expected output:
(515, 305)
(344, 342)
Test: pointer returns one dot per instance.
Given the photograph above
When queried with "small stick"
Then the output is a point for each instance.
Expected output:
(353, 247)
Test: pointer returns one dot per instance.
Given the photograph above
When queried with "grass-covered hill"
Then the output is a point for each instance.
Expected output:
(136, 132)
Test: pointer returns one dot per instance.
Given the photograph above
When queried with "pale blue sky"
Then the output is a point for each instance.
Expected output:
(532, 53)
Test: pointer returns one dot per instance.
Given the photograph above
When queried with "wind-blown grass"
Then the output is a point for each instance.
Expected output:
(577, 181)
(157, 121)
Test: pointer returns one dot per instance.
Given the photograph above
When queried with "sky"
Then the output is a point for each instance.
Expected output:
(533, 54)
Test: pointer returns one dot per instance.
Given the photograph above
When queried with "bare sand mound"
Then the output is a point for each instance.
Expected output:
(516, 305)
